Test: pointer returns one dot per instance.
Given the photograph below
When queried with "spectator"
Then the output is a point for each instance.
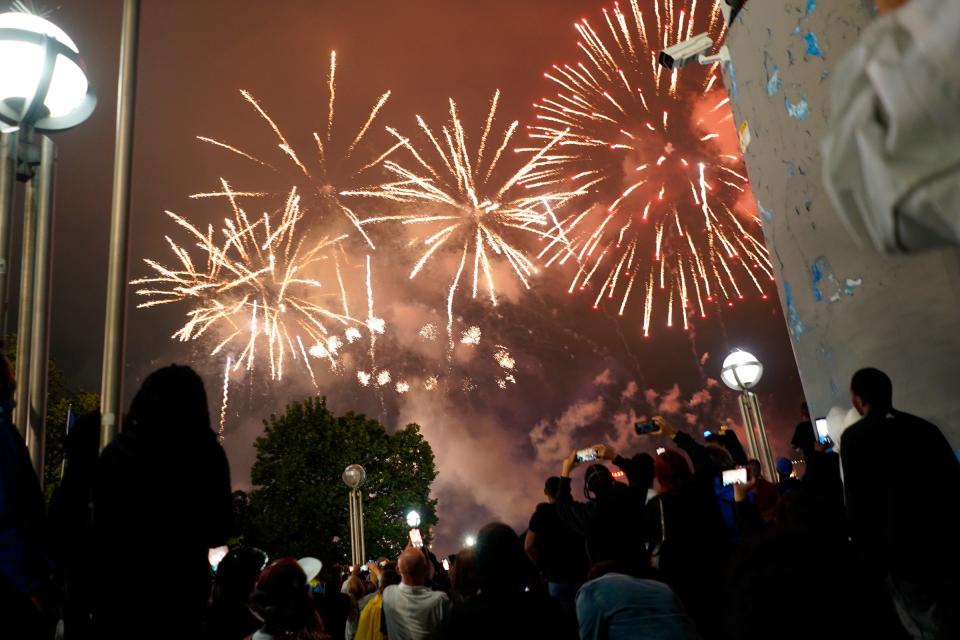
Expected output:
(283, 601)
(332, 605)
(900, 474)
(611, 521)
(369, 627)
(463, 575)
(411, 610)
(356, 591)
(686, 529)
(229, 616)
(503, 608)
(821, 486)
(614, 605)
(556, 549)
(786, 483)
(71, 517)
(765, 493)
(162, 493)
(24, 563)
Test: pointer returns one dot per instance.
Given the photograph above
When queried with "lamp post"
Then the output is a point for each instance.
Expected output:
(43, 89)
(741, 372)
(354, 476)
(469, 541)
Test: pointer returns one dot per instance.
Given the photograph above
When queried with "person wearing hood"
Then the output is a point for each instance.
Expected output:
(162, 500)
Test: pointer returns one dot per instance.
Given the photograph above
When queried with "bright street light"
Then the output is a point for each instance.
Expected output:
(741, 371)
(42, 80)
(413, 519)
(469, 541)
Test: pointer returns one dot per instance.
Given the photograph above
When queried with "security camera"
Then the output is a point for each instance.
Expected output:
(692, 49)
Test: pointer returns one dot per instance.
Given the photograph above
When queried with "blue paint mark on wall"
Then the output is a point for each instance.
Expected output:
(813, 45)
(732, 88)
(793, 316)
(766, 214)
(798, 111)
(774, 83)
(811, 5)
(822, 277)
(791, 169)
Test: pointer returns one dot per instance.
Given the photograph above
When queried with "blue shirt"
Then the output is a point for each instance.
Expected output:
(617, 606)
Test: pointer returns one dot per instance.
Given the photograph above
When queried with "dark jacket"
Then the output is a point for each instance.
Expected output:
(613, 524)
(160, 504)
(901, 480)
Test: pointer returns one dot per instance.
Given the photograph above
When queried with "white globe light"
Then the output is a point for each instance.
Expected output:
(469, 541)
(413, 519)
(42, 81)
(741, 371)
(354, 476)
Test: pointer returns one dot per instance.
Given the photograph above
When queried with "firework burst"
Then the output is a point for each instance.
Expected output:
(254, 293)
(333, 166)
(658, 150)
(455, 194)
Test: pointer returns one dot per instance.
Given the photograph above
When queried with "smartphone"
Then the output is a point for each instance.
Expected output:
(823, 435)
(644, 428)
(416, 539)
(587, 455)
(707, 434)
(446, 564)
(735, 476)
(215, 555)
(364, 569)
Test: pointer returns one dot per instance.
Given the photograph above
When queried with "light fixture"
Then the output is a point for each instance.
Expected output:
(354, 476)
(741, 371)
(469, 541)
(42, 79)
(413, 519)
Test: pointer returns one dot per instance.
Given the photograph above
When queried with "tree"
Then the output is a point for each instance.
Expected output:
(300, 507)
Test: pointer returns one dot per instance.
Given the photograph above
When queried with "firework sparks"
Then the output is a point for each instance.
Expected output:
(466, 210)
(254, 292)
(674, 225)
(331, 168)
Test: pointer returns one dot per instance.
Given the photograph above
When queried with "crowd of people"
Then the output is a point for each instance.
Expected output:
(863, 544)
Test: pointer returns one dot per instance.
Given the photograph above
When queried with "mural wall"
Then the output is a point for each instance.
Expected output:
(845, 307)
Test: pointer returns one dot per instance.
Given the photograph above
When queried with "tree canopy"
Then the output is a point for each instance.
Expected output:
(299, 505)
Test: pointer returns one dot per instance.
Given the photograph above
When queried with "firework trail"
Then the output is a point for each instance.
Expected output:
(454, 192)
(333, 166)
(658, 149)
(253, 290)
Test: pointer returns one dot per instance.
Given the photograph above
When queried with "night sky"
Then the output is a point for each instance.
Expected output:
(582, 375)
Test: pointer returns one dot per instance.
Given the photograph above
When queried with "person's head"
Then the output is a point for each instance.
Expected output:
(871, 391)
(551, 488)
(281, 598)
(172, 401)
(803, 438)
(389, 575)
(501, 561)
(753, 468)
(784, 468)
(355, 588)
(671, 471)
(635, 569)
(414, 567)
(720, 457)
(597, 481)
(237, 574)
(463, 573)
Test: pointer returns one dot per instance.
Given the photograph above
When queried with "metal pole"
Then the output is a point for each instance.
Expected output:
(763, 445)
(40, 312)
(25, 312)
(111, 388)
(8, 181)
(362, 545)
(747, 413)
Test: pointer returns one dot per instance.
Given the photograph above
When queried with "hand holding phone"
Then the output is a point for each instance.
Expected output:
(416, 539)
(735, 476)
(587, 455)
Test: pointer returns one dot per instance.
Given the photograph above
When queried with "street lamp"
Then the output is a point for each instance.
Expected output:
(413, 519)
(741, 372)
(43, 88)
(469, 541)
(354, 476)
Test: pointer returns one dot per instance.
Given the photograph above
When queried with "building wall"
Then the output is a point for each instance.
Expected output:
(845, 307)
